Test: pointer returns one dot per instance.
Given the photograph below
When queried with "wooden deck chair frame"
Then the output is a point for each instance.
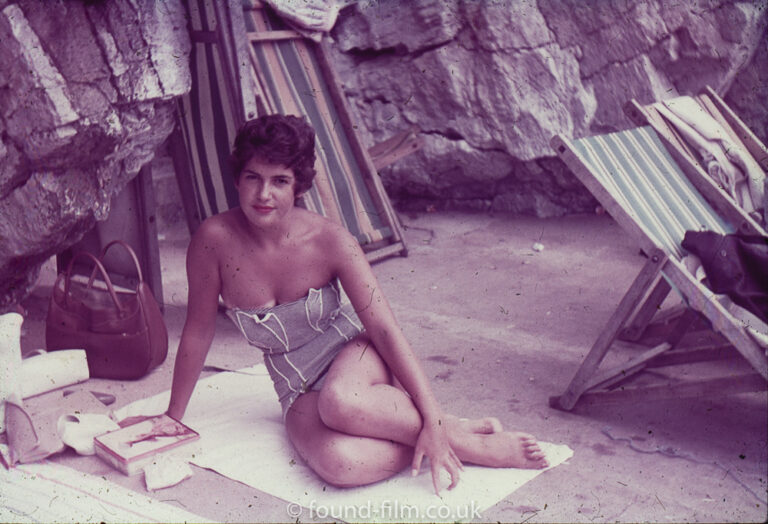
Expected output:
(235, 81)
(593, 385)
(737, 131)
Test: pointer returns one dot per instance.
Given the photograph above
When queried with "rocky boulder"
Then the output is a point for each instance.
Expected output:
(490, 82)
(87, 92)
(86, 97)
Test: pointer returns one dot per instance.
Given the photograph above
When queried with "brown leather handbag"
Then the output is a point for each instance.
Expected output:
(122, 332)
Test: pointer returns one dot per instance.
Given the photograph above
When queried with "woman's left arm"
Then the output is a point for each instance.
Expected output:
(362, 288)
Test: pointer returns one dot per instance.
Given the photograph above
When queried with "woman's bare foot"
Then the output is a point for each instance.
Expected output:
(523, 451)
(505, 449)
(485, 425)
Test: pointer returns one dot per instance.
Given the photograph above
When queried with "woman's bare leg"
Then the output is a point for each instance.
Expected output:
(480, 425)
(357, 398)
(340, 459)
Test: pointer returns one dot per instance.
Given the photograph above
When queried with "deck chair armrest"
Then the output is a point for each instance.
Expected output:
(394, 148)
(269, 36)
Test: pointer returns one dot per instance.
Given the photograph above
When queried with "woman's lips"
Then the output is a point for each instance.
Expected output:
(263, 209)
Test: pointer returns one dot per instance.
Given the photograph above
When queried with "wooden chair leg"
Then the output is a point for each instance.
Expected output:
(718, 387)
(682, 326)
(646, 312)
(626, 307)
(618, 374)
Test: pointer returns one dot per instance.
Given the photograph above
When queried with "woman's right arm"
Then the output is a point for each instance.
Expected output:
(202, 307)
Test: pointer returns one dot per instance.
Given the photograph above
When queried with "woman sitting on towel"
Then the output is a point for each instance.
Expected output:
(356, 403)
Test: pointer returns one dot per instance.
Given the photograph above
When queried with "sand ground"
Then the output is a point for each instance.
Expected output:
(500, 328)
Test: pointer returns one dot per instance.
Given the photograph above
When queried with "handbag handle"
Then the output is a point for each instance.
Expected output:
(130, 252)
(100, 267)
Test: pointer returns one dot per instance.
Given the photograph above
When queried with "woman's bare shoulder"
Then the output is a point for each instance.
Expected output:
(317, 227)
(327, 239)
(215, 232)
(218, 227)
(329, 232)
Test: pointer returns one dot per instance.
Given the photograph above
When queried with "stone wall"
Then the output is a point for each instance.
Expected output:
(87, 91)
(491, 81)
(86, 97)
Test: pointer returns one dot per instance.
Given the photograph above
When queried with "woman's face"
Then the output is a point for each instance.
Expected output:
(267, 191)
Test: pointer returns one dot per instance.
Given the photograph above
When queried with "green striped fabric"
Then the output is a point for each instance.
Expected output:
(638, 172)
(289, 80)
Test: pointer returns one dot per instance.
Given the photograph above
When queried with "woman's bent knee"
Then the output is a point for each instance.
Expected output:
(337, 404)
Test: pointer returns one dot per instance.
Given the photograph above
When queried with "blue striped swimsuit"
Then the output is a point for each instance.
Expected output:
(299, 339)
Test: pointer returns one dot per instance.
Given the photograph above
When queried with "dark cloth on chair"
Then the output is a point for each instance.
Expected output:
(736, 265)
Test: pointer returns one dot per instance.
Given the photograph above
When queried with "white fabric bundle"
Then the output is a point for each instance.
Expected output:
(726, 161)
(43, 372)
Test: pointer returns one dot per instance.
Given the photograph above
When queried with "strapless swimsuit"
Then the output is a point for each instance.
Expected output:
(299, 339)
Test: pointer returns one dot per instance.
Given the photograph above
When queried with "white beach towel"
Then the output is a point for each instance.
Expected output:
(243, 438)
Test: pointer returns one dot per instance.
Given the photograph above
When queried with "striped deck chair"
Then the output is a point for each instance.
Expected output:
(246, 62)
(641, 185)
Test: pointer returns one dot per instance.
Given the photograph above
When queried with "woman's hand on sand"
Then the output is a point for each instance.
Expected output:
(433, 442)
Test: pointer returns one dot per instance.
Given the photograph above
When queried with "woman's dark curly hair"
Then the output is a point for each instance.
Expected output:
(279, 139)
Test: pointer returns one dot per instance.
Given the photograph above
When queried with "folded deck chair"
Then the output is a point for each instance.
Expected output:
(641, 185)
(707, 132)
(245, 62)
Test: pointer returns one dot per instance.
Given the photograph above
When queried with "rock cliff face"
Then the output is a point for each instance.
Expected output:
(86, 96)
(490, 82)
(87, 92)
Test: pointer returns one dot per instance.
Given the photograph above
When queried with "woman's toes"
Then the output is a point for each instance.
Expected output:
(532, 447)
